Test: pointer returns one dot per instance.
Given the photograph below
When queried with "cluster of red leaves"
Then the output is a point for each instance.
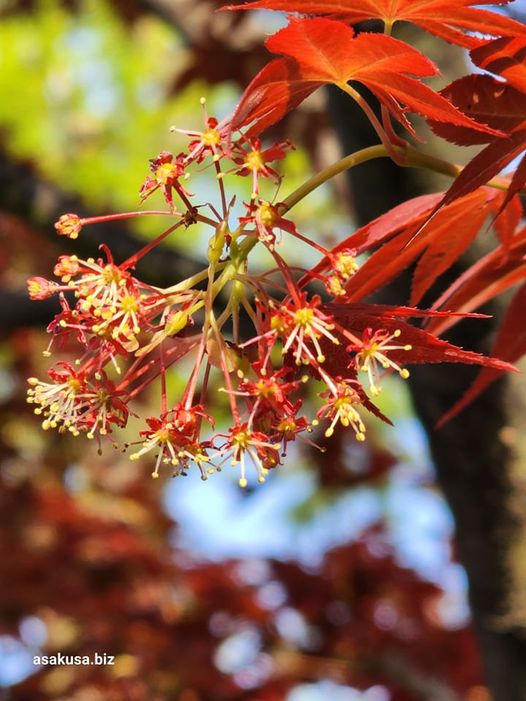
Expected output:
(498, 103)
(441, 242)
(447, 19)
(476, 109)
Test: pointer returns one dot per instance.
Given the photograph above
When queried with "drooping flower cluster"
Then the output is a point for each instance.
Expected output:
(266, 336)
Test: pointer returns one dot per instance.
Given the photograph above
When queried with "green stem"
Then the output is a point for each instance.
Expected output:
(416, 159)
(354, 159)
(190, 282)
(413, 159)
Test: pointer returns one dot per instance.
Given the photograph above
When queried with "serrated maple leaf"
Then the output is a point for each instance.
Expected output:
(489, 277)
(401, 311)
(491, 102)
(379, 230)
(441, 242)
(507, 222)
(505, 56)
(509, 345)
(448, 19)
(486, 100)
(425, 346)
(318, 51)
(488, 163)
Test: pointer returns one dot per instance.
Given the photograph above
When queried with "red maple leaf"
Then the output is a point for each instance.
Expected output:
(441, 242)
(487, 100)
(448, 19)
(489, 277)
(318, 51)
(379, 230)
(491, 102)
(392, 239)
(510, 345)
(425, 346)
(504, 56)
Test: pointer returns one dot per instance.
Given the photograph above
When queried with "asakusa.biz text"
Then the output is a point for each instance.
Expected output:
(60, 659)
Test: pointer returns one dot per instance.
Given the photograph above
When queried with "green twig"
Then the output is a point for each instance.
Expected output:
(412, 159)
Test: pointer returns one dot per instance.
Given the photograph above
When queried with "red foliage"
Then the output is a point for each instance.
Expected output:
(444, 18)
(510, 344)
(493, 102)
(433, 231)
(319, 51)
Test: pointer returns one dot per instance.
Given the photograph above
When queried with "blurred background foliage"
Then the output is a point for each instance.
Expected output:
(94, 88)
(337, 578)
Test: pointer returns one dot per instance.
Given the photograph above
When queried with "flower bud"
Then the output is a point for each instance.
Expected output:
(69, 225)
(39, 288)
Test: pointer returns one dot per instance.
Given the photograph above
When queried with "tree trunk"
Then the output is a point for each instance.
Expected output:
(480, 457)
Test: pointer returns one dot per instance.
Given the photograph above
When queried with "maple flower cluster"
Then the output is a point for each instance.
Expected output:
(260, 339)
